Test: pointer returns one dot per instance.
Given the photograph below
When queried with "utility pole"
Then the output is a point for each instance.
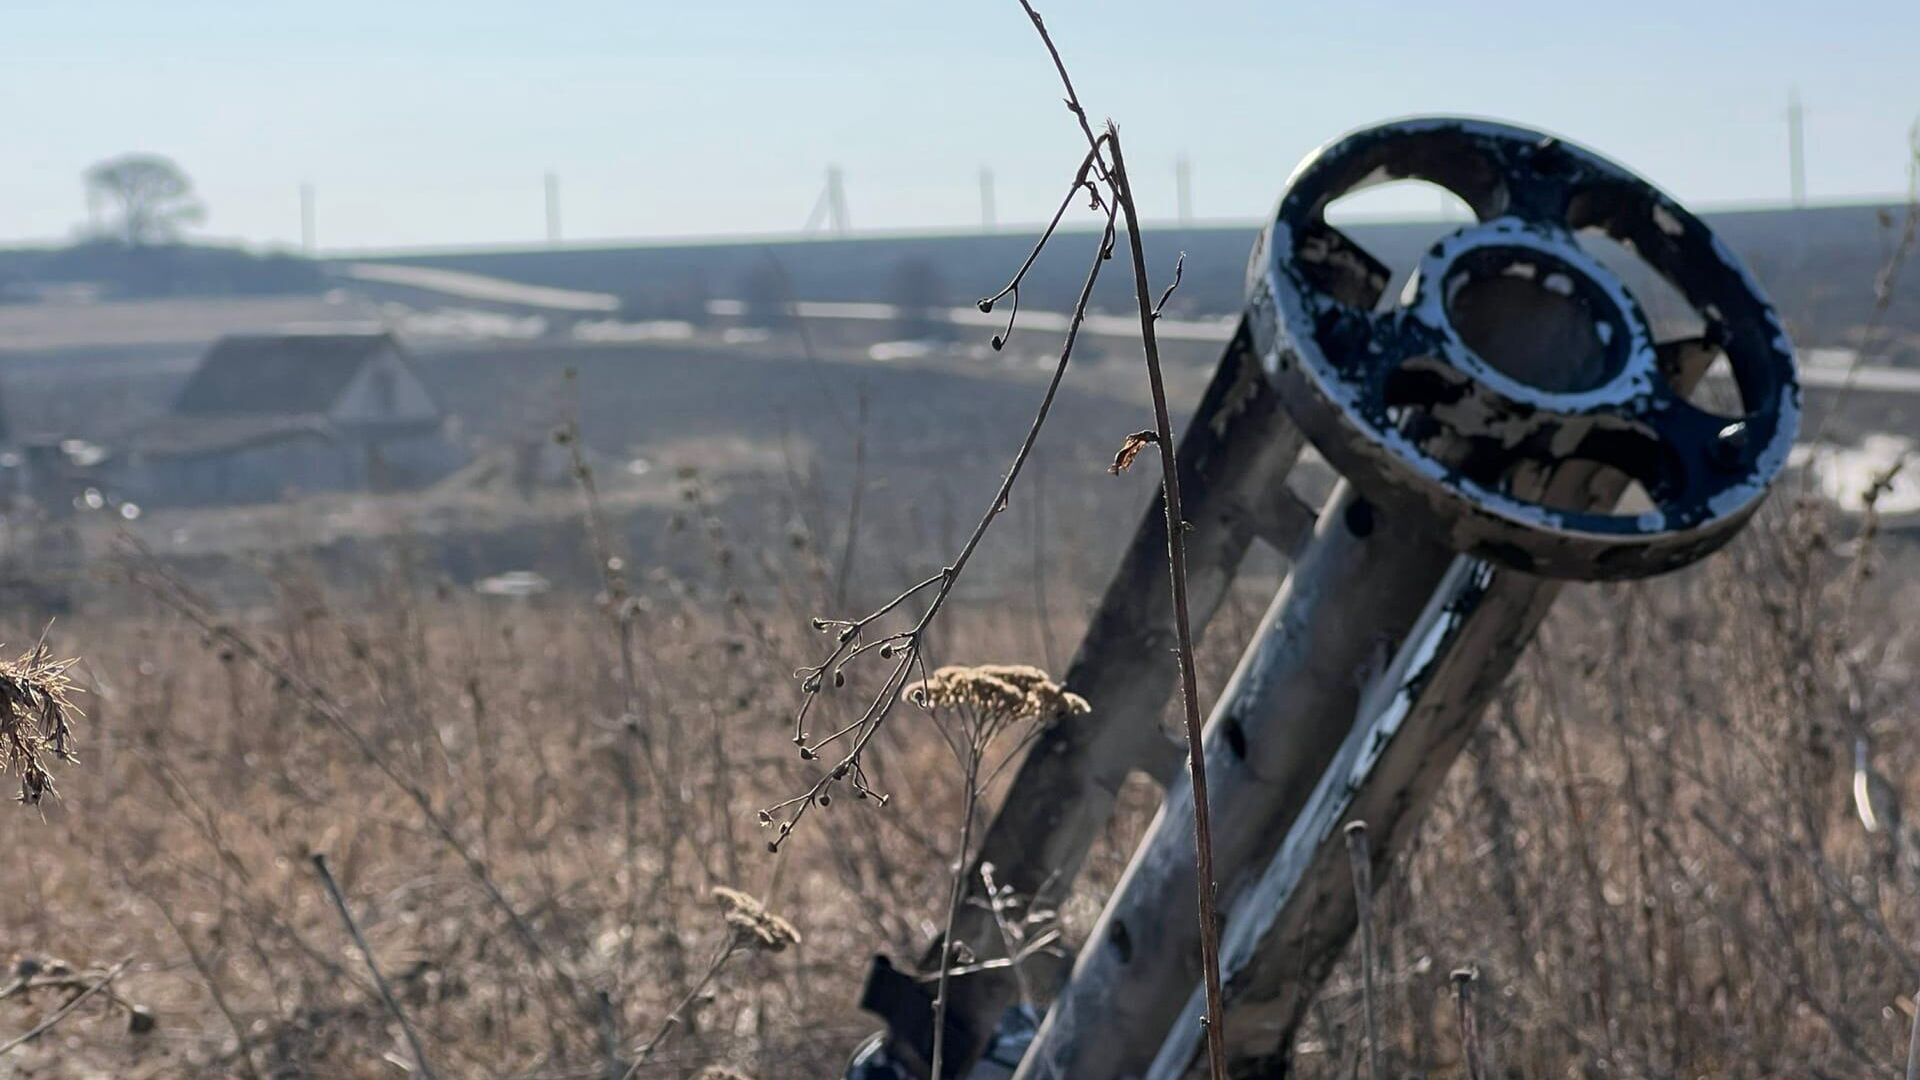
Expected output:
(1796, 148)
(836, 202)
(307, 233)
(986, 199)
(553, 207)
(1183, 188)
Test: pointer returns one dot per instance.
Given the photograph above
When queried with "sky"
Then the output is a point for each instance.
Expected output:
(421, 123)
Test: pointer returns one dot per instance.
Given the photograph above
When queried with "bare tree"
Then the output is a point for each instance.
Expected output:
(152, 197)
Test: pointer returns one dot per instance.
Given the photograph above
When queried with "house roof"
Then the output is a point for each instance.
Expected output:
(277, 374)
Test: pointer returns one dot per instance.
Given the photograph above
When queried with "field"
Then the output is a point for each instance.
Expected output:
(1653, 851)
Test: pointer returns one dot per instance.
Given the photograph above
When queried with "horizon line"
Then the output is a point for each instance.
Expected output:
(936, 232)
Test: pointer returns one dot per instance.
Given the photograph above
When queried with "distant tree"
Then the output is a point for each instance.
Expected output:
(152, 198)
(918, 291)
(688, 296)
(763, 289)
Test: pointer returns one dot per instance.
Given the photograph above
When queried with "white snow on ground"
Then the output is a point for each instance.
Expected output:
(884, 351)
(482, 287)
(1842, 367)
(460, 324)
(647, 330)
(1844, 473)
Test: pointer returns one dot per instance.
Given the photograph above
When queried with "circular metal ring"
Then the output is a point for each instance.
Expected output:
(1516, 370)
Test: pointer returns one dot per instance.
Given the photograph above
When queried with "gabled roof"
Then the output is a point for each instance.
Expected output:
(277, 374)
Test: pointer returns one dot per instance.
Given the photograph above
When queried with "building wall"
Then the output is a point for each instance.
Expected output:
(402, 460)
(386, 391)
(263, 472)
(288, 468)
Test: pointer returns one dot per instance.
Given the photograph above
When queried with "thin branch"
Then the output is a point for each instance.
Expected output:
(1183, 630)
(906, 645)
(366, 954)
(243, 1045)
(1179, 267)
(1362, 863)
(1066, 81)
(645, 1051)
(1913, 1042)
(1013, 285)
(147, 572)
(64, 1011)
(1883, 283)
(942, 991)
(1463, 980)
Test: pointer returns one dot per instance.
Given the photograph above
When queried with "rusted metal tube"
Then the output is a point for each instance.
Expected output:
(1354, 591)
(1234, 459)
(1287, 929)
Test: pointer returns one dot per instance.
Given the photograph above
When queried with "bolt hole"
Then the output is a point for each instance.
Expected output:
(1121, 941)
(1236, 738)
(1359, 517)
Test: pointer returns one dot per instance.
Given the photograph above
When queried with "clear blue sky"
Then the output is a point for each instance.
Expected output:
(421, 122)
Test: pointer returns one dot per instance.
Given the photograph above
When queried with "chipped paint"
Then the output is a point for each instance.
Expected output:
(1331, 714)
(1333, 363)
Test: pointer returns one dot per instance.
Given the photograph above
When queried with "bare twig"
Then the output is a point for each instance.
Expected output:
(1183, 631)
(1120, 192)
(1066, 81)
(1021, 936)
(903, 647)
(1012, 287)
(1362, 861)
(852, 541)
(1179, 268)
(750, 928)
(947, 957)
(64, 1011)
(609, 1038)
(1913, 1042)
(243, 1044)
(1883, 284)
(146, 571)
(645, 1051)
(621, 612)
(366, 954)
(1463, 980)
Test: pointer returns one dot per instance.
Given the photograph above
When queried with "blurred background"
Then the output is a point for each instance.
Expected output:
(435, 426)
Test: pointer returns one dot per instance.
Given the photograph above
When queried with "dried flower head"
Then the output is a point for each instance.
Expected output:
(972, 689)
(752, 924)
(35, 719)
(990, 697)
(1046, 699)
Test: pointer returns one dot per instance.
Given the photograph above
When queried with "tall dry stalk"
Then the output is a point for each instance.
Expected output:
(339, 901)
(750, 927)
(1102, 175)
(1361, 859)
(973, 707)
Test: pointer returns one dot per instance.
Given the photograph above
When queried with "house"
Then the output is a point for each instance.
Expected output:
(273, 416)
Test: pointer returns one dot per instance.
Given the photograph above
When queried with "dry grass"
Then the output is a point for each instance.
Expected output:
(1651, 852)
(36, 720)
